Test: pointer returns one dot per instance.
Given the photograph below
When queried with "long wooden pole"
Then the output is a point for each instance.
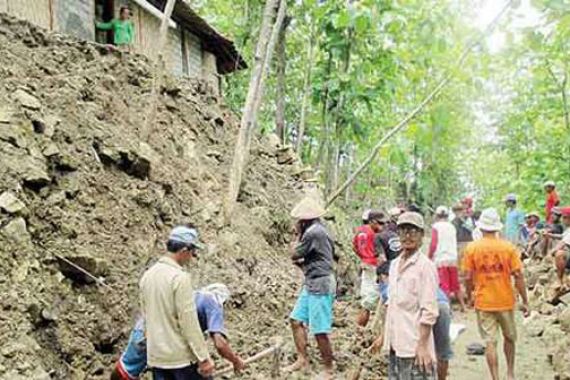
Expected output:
(410, 116)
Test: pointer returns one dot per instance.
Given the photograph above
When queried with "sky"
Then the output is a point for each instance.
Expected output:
(526, 15)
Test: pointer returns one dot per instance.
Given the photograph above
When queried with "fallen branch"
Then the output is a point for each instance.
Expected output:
(271, 351)
(402, 124)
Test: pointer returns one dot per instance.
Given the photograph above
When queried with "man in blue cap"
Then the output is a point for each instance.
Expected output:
(176, 347)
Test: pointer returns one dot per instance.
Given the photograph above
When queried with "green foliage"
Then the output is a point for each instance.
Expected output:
(498, 127)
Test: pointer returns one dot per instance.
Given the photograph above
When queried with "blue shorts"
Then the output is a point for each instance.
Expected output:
(315, 311)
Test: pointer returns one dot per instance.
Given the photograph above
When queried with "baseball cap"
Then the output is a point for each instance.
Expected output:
(442, 211)
(413, 218)
(549, 184)
(186, 235)
(511, 198)
(564, 211)
(377, 216)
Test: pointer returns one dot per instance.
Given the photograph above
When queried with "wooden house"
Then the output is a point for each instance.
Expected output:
(194, 48)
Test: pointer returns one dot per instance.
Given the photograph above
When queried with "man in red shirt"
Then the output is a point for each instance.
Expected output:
(552, 199)
(364, 246)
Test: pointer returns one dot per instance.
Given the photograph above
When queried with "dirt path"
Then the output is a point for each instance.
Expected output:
(531, 356)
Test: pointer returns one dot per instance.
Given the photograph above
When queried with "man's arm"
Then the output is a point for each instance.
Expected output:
(433, 244)
(105, 25)
(226, 352)
(429, 312)
(520, 284)
(188, 317)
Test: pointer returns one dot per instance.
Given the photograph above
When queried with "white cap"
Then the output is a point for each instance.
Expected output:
(442, 211)
(511, 198)
(490, 221)
(549, 184)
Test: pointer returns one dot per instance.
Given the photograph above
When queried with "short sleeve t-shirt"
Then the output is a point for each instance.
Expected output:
(492, 262)
(210, 313)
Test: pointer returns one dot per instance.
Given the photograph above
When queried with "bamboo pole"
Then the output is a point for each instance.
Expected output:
(410, 116)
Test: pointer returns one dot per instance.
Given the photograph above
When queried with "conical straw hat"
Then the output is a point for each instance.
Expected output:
(309, 208)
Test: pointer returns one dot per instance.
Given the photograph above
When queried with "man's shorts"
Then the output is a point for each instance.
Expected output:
(315, 311)
(441, 333)
(405, 369)
(448, 279)
(369, 293)
(490, 321)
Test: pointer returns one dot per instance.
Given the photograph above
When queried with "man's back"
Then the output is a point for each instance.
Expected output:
(446, 250)
(492, 261)
(170, 313)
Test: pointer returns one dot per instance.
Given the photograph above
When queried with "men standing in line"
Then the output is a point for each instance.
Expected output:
(412, 306)
(514, 221)
(364, 245)
(552, 200)
(313, 251)
(443, 252)
(175, 345)
(489, 265)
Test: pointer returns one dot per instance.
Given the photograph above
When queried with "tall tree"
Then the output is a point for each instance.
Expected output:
(273, 17)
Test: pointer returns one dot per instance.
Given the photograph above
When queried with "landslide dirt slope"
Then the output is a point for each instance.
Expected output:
(80, 184)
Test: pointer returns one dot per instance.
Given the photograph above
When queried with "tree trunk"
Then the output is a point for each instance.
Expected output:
(324, 115)
(281, 90)
(306, 94)
(263, 53)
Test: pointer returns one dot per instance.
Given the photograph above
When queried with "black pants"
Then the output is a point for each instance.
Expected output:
(185, 373)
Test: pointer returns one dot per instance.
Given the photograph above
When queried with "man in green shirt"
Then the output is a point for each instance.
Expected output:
(123, 28)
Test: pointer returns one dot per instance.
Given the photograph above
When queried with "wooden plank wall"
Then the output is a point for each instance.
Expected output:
(38, 12)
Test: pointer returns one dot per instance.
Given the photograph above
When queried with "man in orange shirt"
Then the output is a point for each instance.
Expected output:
(489, 264)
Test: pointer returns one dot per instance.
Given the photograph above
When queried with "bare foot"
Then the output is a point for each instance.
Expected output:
(299, 365)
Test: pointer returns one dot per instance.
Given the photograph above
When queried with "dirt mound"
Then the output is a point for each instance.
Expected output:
(80, 185)
(550, 318)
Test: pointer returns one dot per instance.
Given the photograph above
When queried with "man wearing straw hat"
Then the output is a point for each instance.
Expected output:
(313, 251)
(489, 265)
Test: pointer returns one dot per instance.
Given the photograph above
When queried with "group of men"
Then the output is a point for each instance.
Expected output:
(542, 237)
(414, 306)
(408, 288)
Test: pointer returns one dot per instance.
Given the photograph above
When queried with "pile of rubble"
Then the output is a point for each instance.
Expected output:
(550, 318)
(82, 187)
